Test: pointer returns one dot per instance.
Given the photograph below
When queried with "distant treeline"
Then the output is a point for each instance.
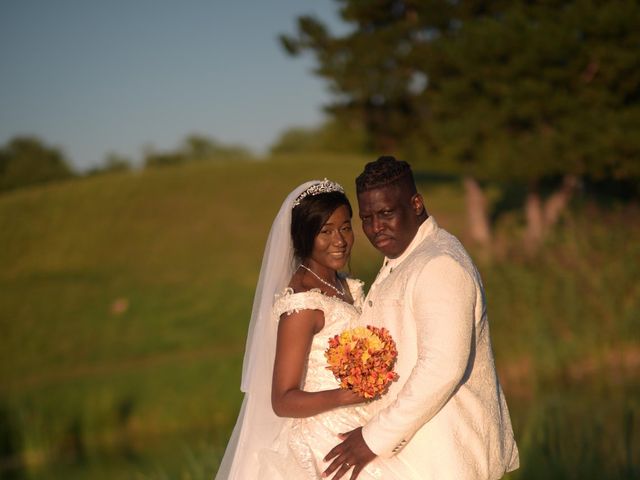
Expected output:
(527, 104)
(27, 160)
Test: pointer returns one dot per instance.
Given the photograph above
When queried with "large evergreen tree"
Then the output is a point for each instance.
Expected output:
(510, 91)
(544, 90)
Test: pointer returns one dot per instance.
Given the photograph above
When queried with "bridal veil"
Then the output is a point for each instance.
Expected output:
(257, 426)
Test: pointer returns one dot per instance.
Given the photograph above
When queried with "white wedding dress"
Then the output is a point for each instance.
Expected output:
(262, 445)
(302, 443)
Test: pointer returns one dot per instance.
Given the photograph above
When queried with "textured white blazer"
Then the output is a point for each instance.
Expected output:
(446, 415)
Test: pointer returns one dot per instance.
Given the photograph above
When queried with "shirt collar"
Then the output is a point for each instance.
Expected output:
(428, 227)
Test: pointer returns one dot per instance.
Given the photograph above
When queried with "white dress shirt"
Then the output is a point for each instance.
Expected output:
(446, 415)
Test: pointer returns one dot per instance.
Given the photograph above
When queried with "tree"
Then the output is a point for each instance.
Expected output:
(196, 148)
(544, 91)
(494, 91)
(332, 136)
(113, 162)
(379, 76)
(26, 161)
(199, 147)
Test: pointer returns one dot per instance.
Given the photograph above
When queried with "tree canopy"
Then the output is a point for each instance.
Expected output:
(331, 136)
(27, 160)
(196, 147)
(497, 90)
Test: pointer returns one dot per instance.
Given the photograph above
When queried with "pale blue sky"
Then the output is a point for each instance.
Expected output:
(96, 76)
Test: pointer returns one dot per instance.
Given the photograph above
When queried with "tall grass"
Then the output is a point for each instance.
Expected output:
(124, 302)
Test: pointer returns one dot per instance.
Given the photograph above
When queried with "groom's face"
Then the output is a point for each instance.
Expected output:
(390, 218)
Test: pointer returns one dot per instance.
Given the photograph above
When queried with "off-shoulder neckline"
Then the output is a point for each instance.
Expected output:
(288, 291)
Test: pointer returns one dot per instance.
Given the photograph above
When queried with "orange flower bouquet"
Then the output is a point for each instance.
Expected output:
(362, 360)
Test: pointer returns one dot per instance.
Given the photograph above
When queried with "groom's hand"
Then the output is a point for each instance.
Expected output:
(353, 452)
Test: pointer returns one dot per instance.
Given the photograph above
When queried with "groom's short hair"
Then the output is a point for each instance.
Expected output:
(386, 171)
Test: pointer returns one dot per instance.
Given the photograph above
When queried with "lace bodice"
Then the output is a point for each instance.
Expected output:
(299, 451)
(338, 317)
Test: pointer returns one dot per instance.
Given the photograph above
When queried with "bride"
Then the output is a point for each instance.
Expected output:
(293, 410)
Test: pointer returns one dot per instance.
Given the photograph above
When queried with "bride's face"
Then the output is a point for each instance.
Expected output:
(332, 246)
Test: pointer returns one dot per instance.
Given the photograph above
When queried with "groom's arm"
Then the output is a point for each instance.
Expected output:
(443, 300)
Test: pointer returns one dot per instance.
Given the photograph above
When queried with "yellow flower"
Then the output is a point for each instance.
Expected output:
(365, 356)
(374, 343)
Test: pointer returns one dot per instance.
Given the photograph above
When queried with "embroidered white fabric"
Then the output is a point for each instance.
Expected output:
(302, 444)
(262, 445)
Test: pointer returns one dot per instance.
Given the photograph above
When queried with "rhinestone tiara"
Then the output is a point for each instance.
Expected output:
(325, 186)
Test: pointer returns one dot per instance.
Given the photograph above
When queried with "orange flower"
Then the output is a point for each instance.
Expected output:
(362, 360)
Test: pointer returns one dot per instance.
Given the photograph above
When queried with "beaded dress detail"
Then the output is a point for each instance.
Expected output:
(302, 443)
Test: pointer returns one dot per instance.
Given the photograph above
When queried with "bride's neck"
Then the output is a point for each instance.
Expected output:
(323, 271)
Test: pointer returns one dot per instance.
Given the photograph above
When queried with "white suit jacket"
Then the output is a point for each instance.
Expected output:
(446, 415)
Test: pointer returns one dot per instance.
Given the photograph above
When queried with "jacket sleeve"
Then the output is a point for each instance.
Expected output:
(443, 302)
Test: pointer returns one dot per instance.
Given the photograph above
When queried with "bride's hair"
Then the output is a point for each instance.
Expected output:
(309, 216)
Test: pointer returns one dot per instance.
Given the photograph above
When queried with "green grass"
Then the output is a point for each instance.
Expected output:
(150, 390)
(182, 247)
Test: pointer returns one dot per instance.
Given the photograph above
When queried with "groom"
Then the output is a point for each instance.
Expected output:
(446, 417)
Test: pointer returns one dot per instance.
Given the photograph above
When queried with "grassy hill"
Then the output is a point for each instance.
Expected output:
(124, 301)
